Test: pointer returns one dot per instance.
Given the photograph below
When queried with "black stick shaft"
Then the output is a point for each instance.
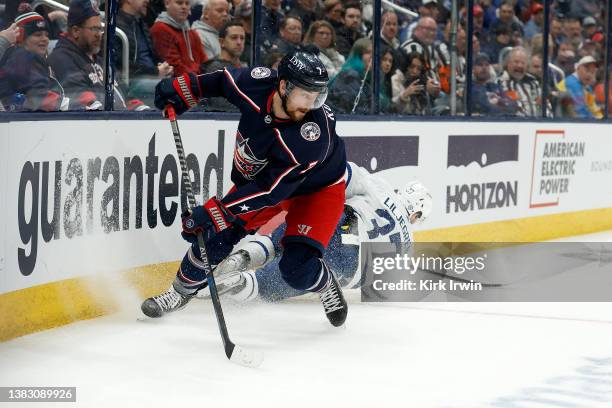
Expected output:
(214, 294)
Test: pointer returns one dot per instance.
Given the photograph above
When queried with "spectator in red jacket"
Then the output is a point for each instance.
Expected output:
(175, 42)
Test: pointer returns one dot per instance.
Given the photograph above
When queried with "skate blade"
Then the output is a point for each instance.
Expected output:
(246, 358)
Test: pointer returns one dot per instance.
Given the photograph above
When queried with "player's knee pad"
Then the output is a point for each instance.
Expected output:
(302, 268)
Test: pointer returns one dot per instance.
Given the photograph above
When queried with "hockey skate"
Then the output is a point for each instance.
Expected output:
(336, 308)
(166, 302)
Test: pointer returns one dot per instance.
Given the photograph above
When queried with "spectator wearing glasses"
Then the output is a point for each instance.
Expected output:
(215, 14)
(76, 59)
(175, 42)
(422, 42)
(290, 35)
(321, 33)
(26, 82)
(334, 13)
(427, 8)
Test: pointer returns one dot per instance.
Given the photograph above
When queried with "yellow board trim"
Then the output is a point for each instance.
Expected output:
(58, 303)
(531, 229)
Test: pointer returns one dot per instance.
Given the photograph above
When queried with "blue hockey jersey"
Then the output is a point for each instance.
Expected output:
(274, 159)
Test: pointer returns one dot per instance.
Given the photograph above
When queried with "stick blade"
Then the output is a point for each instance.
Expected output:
(245, 357)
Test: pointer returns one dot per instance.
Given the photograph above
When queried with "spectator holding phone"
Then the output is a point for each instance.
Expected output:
(408, 84)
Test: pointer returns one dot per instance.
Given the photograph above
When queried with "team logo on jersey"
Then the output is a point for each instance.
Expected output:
(244, 159)
(260, 72)
(310, 131)
(303, 229)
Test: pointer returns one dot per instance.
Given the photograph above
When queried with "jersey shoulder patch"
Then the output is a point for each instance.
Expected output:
(260, 72)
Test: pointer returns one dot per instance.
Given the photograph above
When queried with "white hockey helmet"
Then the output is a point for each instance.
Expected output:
(416, 198)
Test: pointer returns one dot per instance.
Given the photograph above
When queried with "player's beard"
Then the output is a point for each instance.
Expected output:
(295, 115)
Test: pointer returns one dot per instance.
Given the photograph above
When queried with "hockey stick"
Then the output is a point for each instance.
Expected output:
(234, 352)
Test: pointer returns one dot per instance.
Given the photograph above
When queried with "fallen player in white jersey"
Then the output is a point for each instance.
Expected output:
(373, 212)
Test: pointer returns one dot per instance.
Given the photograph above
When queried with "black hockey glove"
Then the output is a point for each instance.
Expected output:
(182, 92)
(210, 219)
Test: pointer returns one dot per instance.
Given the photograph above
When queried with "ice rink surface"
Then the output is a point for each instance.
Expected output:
(422, 355)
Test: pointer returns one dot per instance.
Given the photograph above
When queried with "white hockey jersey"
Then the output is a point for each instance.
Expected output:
(382, 217)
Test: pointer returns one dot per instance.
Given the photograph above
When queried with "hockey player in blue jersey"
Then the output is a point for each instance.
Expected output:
(373, 212)
(287, 157)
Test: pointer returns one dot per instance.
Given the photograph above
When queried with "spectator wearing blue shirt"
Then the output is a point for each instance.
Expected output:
(578, 96)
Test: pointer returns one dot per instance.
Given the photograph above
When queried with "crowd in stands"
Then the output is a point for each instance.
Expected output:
(52, 60)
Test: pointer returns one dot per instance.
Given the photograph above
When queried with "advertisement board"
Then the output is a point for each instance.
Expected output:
(84, 197)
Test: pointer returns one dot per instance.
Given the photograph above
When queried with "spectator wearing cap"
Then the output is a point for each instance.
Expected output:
(351, 30)
(535, 25)
(215, 14)
(8, 38)
(175, 42)
(76, 62)
(242, 13)
(589, 26)
(290, 35)
(488, 99)
(231, 39)
(145, 67)
(478, 26)
(578, 96)
(25, 77)
(520, 86)
(321, 33)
